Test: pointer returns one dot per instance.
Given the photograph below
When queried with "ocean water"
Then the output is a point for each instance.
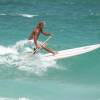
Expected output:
(73, 23)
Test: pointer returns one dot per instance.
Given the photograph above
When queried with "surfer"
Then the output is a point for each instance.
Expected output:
(35, 35)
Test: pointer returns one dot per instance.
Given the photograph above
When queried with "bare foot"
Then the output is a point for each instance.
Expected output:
(54, 53)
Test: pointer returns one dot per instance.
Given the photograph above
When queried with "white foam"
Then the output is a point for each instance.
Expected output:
(16, 55)
(37, 65)
(7, 50)
(18, 14)
(27, 15)
(3, 14)
(20, 98)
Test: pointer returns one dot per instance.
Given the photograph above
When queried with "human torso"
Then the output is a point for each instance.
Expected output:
(36, 32)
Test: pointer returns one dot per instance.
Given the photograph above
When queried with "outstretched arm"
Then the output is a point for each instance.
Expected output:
(45, 33)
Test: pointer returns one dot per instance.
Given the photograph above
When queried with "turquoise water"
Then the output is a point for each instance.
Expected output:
(73, 23)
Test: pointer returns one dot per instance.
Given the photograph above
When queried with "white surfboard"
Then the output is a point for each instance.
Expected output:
(70, 52)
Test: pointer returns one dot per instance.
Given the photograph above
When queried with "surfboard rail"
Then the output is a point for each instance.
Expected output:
(70, 52)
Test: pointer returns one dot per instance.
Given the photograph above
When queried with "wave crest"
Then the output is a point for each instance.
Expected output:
(19, 14)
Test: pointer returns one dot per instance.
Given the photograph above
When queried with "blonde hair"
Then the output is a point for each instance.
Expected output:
(40, 24)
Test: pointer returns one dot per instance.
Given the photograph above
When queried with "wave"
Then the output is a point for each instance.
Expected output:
(3, 14)
(27, 15)
(7, 98)
(20, 55)
(16, 1)
(18, 14)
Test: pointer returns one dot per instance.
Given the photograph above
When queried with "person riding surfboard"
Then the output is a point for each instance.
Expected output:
(35, 35)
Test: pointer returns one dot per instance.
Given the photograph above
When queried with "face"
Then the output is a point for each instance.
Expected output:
(41, 24)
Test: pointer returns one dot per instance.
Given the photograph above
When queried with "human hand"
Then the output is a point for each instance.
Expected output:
(44, 45)
(49, 34)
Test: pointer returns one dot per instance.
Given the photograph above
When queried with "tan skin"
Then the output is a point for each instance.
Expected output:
(35, 35)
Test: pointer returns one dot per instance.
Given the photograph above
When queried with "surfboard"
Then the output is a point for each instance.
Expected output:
(70, 52)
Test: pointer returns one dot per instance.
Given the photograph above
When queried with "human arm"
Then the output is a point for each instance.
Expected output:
(45, 33)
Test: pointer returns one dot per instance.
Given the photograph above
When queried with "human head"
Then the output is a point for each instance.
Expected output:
(40, 24)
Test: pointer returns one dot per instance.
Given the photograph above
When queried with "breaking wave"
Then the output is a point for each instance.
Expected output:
(20, 56)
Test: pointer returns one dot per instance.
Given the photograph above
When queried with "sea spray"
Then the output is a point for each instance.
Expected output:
(20, 55)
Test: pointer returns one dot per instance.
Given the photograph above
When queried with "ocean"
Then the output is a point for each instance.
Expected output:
(73, 23)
